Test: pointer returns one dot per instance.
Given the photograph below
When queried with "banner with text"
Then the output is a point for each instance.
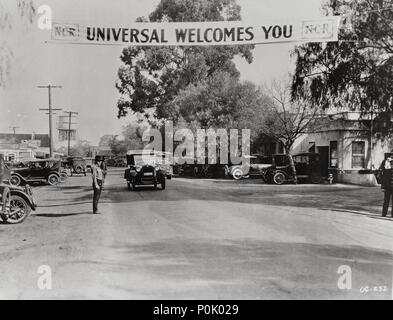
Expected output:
(199, 33)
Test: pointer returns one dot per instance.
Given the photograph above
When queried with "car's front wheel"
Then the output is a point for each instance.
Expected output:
(279, 178)
(237, 174)
(19, 210)
(53, 179)
(78, 169)
(15, 180)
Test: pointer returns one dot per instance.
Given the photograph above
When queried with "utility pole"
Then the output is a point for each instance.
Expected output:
(70, 115)
(14, 129)
(50, 110)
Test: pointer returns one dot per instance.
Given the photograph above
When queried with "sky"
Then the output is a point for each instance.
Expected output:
(88, 74)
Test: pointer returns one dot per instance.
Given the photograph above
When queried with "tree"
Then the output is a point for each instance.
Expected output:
(8, 9)
(287, 119)
(152, 77)
(357, 71)
(221, 101)
(132, 139)
(80, 149)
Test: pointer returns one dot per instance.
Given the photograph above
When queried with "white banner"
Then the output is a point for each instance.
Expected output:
(322, 29)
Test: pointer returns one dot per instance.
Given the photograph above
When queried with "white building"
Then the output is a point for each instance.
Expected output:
(347, 147)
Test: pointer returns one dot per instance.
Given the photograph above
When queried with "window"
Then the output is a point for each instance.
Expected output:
(11, 156)
(333, 154)
(358, 154)
(281, 160)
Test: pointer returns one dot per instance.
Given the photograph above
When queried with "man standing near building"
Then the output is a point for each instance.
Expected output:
(98, 177)
(387, 184)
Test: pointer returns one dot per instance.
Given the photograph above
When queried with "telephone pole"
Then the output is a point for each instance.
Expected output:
(14, 129)
(50, 110)
(70, 115)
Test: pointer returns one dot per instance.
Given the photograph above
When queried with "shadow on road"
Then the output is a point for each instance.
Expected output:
(59, 215)
(355, 200)
(263, 269)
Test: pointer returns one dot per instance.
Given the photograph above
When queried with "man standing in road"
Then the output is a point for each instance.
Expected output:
(387, 184)
(104, 170)
(98, 177)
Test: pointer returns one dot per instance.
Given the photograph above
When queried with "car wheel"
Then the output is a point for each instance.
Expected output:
(15, 181)
(19, 210)
(279, 178)
(237, 174)
(53, 179)
(78, 169)
(63, 177)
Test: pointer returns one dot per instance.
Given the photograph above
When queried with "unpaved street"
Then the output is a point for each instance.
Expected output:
(200, 239)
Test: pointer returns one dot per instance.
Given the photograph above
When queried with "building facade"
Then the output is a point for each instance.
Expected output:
(347, 146)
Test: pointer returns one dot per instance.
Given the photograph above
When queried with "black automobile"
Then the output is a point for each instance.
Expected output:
(307, 165)
(16, 203)
(37, 171)
(144, 168)
(255, 168)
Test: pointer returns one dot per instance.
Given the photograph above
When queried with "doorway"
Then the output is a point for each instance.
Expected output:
(324, 159)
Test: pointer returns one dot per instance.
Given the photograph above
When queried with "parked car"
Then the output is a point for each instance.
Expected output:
(257, 164)
(16, 203)
(34, 171)
(89, 163)
(120, 161)
(76, 165)
(144, 168)
(111, 162)
(307, 165)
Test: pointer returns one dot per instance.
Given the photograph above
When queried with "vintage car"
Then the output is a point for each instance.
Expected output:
(76, 165)
(307, 165)
(37, 171)
(257, 164)
(89, 163)
(144, 168)
(118, 161)
(16, 203)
